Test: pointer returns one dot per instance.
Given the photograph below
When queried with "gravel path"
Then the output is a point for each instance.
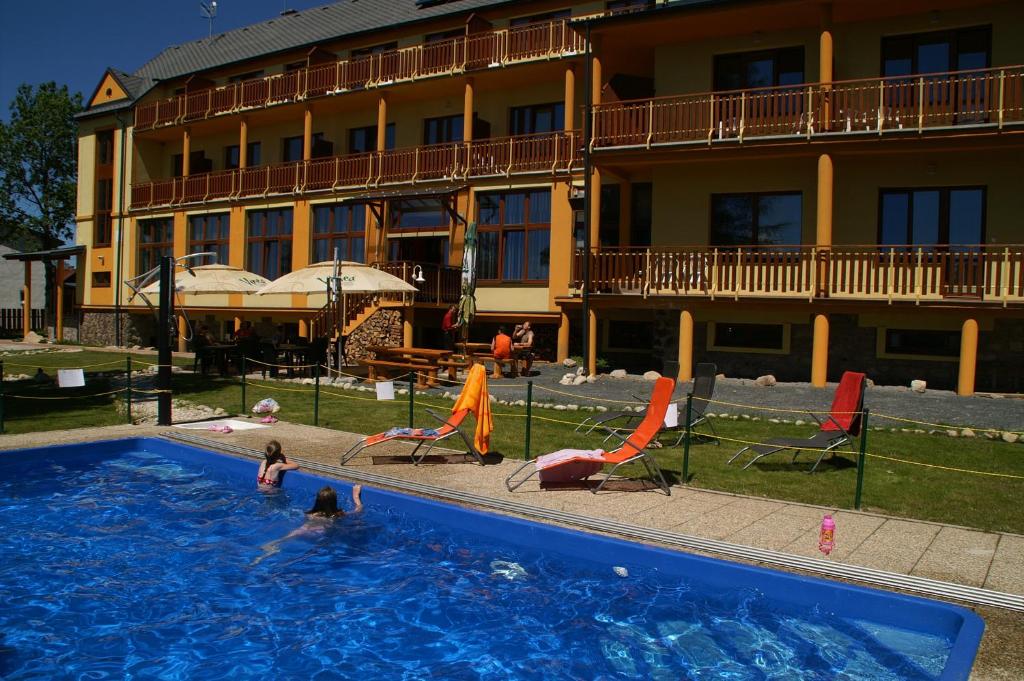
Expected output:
(933, 406)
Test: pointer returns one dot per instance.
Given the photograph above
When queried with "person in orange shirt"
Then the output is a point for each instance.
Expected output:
(501, 349)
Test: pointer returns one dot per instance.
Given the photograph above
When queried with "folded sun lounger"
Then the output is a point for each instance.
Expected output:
(839, 428)
(581, 464)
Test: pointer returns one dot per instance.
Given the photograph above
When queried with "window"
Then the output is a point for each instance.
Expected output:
(959, 50)
(156, 240)
(375, 49)
(105, 148)
(294, 66)
(536, 118)
(101, 279)
(932, 217)
(269, 235)
(291, 147)
(608, 230)
(104, 207)
(250, 75)
(197, 163)
(642, 214)
(443, 129)
(629, 336)
(748, 337)
(756, 219)
(536, 18)
(765, 68)
(209, 234)
(514, 242)
(445, 35)
(419, 214)
(924, 342)
(232, 161)
(362, 140)
(340, 226)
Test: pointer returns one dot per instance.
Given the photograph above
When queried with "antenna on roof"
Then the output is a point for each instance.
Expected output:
(208, 10)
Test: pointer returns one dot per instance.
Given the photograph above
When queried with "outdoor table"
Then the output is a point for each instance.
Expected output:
(428, 357)
(292, 355)
(221, 352)
(473, 348)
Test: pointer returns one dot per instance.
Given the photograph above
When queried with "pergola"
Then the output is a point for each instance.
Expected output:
(56, 254)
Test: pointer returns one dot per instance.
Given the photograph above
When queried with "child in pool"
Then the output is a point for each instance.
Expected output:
(272, 470)
(319, 518)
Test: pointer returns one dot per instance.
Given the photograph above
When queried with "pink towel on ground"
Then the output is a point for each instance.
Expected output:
(565, 464)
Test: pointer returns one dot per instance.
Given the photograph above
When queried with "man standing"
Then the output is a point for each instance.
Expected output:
(450, 328)
(522, 337)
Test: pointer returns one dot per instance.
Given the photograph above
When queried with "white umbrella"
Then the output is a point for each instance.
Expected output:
(354, 278)
(206, 279)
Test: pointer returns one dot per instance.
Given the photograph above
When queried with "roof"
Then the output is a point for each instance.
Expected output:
(299, 29)
(52, 254)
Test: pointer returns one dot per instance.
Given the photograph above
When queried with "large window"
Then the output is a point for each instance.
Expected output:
(536, 118)
(103, 219)
(514, 235)
(756, 219)
(932, 216)
(743, 337)
(443, 129)
(959, 50)
(105, 148)
(419, 214)
(269, 235)
(210, 234)
(291, 147)
(362, 140)
(252, 155)
(642, 214)
(156, 240)
(340, 226)
(765, 68)
(922, 342)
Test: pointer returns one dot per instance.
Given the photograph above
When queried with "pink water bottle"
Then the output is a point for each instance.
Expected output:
(827, 536)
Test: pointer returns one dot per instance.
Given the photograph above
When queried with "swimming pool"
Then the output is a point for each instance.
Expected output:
(143, 558)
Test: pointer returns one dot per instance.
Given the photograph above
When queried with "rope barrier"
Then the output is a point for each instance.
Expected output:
(281, 366)
(945, 468)
(66, 397)
(942, 425)
(87, 366)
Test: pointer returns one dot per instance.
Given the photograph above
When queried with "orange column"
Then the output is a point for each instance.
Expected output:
(968, 357)
(407, 322)
(236, 238)
(685, 345)
(819, 351)
(826, 61)
(563, 337)
(186, 151)
(467, 112)
(301, 246)
(825, 196)
(570, 98)
(590, 361)
(243, 143)
(179, 234)
(595, 180)
(59, 301)
(26, 300)
(307, 133)
(182, 333)
(382, 122)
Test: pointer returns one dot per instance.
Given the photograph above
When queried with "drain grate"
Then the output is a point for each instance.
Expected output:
(908, 583)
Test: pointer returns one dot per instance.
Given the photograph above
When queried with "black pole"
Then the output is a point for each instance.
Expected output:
(588, 98)
(128, 386)
(1, 396)
(163, 339)
(316, 394)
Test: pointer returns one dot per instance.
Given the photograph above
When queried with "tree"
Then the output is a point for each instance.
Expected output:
(38, 159)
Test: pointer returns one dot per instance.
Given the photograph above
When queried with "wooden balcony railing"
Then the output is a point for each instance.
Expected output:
(988, 274)
(527, 154)
(441, 285)
(985, 97)
(478, 51)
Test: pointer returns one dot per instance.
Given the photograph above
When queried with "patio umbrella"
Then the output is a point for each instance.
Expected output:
(467, 302)
(354, 278)
(207, 279)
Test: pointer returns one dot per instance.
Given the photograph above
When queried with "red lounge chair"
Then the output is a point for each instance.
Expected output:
(840, 427)
(450, 426)
(632, 449)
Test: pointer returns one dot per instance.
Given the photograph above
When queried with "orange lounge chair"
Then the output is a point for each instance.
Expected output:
(450, 426)
(633, 449)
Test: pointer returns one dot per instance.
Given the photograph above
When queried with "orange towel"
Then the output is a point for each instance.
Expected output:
(474, 397)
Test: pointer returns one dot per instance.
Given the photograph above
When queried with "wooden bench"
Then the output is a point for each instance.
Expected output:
(426, 374)
(455, 363)
(499, 364)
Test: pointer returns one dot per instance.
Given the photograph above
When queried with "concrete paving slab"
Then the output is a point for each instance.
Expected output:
(1007, 570)
(897, 545)
(851, 531)
(727, 520)
(777, 530)
(959, 555)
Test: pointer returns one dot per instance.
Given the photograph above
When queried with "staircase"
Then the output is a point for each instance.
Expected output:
(331, 320)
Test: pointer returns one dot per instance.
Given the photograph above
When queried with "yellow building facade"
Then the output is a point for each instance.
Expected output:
(796, 187)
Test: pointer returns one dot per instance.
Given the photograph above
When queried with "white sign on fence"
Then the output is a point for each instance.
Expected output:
(70, 378)
(385, 390)
(672, 415)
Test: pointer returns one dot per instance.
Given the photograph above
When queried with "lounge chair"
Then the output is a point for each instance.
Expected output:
(633, 449)
(450, 425)
(839, 428)
(703, 390)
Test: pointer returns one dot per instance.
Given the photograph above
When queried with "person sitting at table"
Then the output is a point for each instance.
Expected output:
(280, 336)
(244, 331)
(501, 350)
(522, 338)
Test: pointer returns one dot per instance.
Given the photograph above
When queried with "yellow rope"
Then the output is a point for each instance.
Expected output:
(69, 397)
(945, 468)
(942, 425)
(87, 366)
(281, 366)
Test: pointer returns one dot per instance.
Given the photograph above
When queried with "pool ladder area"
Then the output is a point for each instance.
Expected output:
(891, 580)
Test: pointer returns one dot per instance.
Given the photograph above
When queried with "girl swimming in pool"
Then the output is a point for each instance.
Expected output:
(272, 470)
(318, 519)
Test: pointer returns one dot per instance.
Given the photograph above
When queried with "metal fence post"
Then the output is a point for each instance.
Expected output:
(243, 383)
(412, 396)
(316, 394)
(686, 439)
(860, 459)
(1, 396)
(128, 386)
(529, 415)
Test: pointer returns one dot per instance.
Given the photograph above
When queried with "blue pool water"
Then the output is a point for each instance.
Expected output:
(142, 559)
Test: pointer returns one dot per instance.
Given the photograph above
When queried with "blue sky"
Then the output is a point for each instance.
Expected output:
(74, 41)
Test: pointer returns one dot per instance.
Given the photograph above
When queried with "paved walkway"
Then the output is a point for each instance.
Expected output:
(963, 556)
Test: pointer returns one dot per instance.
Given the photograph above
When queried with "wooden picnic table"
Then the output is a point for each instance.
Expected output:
(474, 348)
(422, 360)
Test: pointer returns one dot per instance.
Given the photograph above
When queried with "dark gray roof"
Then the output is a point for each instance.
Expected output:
(298, 29)
(135, 86)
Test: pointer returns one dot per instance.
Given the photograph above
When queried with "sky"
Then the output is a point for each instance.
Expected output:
(73, 41)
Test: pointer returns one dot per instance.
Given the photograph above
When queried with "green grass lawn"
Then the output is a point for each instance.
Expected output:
(890, 487)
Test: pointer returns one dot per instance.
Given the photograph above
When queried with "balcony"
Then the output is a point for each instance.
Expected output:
(986, 98)
(892, 274)
(442, 285)
(477, 52)
(546, 153)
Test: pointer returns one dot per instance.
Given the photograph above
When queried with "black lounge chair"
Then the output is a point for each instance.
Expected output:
(839, 428)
